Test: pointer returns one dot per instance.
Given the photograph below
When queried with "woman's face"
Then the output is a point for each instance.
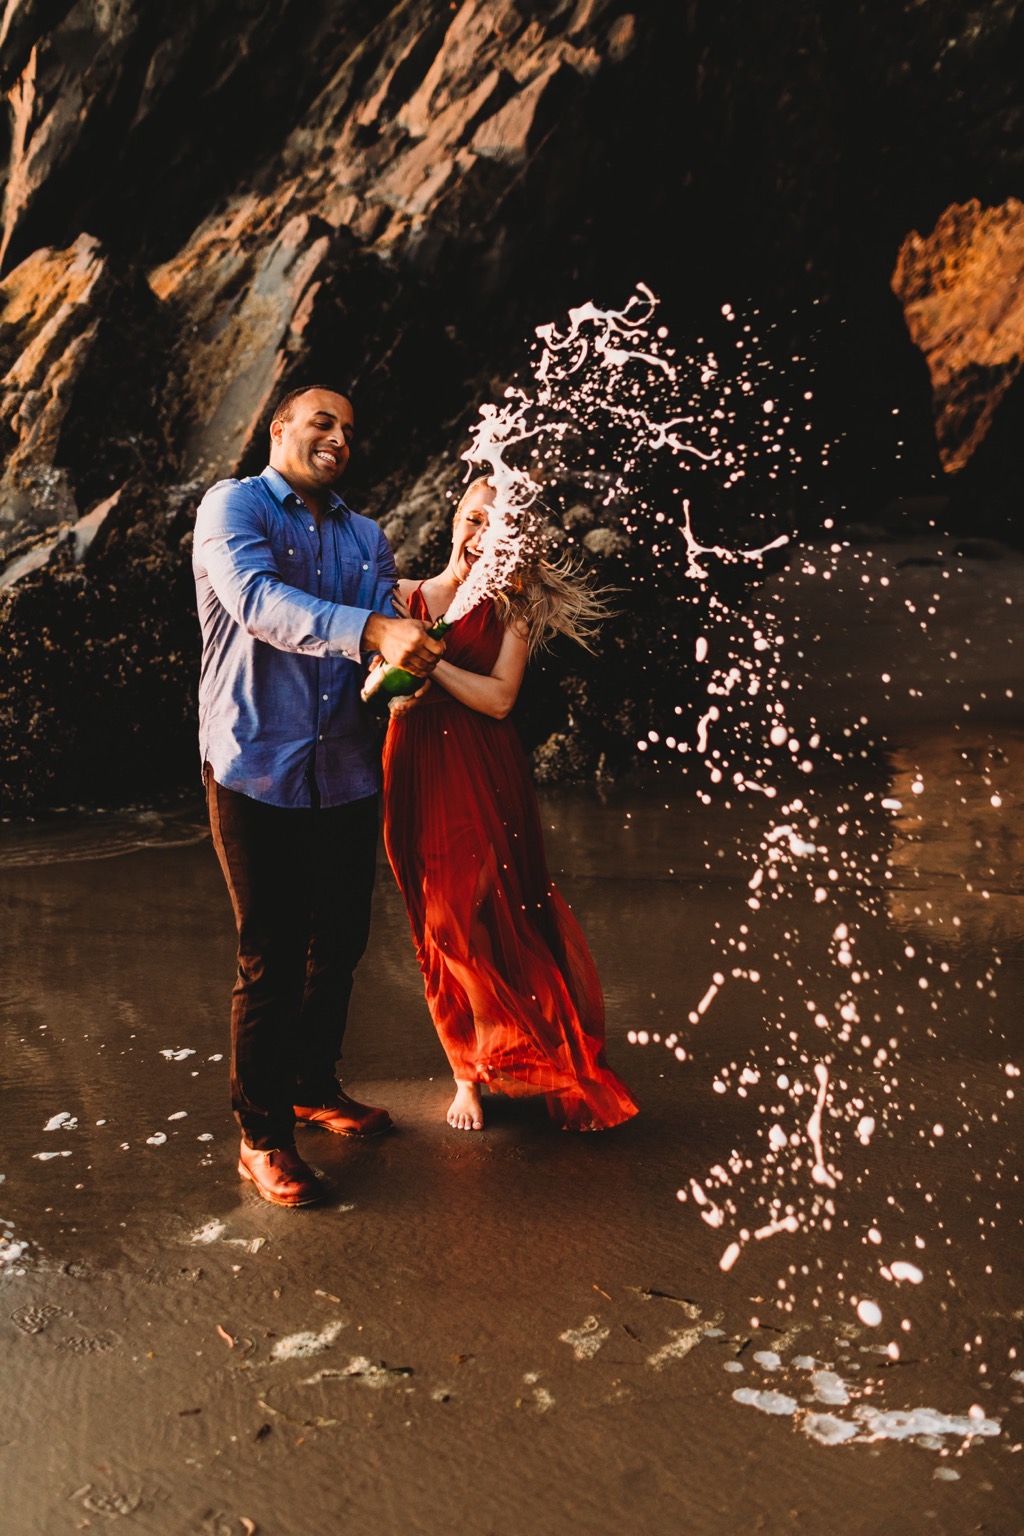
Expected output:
(468, 529)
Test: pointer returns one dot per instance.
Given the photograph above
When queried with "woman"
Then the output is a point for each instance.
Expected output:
(510, 983)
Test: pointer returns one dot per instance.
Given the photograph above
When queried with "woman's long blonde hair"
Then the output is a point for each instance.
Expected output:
(546, 598)
(551, 597)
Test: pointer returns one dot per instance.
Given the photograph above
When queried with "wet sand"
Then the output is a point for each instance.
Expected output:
(525, 1329)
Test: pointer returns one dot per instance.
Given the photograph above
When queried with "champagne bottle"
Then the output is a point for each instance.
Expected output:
(391, 682)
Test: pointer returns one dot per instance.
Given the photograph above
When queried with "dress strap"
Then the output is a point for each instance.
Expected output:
(417, 592)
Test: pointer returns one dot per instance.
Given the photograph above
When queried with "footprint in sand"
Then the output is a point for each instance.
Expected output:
(33, 1319)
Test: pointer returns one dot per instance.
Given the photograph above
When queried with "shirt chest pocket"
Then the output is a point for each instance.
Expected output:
(357, 576)
(292, 556)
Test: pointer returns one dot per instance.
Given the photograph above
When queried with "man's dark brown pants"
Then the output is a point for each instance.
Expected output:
(301, 883)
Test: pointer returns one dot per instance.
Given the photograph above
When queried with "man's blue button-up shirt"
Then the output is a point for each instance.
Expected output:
(282, 606)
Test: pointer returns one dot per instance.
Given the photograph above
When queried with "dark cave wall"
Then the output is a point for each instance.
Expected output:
(203, 207)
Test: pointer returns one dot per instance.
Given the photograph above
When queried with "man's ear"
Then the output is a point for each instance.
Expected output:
(276, 429)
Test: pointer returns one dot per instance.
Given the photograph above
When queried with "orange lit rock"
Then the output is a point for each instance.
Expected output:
(513, 132)
(81, 387)
(962, 291)
(49, 319)
(248, 304)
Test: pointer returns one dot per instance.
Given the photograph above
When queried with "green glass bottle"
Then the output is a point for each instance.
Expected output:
(391, 682)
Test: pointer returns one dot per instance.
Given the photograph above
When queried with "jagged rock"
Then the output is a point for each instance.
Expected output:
(962, 291)
(514, 131)
(79, 409)
(565, 755)
(107, 719)
(418, 528)
(605, 542)
(52, 95)
(131, 121)
(77, 537)
(240, 349)
(48, 325)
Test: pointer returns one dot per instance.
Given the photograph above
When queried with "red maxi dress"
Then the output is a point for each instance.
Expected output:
(510, 983)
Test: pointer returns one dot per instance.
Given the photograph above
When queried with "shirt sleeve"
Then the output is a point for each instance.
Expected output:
(387, 579)
(231, 544)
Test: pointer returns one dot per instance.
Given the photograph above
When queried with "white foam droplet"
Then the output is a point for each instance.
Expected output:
(62, 1121)
(902, 1270)
(729, 1257)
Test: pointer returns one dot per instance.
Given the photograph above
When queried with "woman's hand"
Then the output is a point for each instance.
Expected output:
(407, 701)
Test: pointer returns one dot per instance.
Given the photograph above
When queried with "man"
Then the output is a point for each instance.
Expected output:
(294, 593)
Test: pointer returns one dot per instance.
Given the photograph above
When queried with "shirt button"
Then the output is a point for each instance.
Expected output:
(319, 738)
(312, 528)
(366, 565)
(318, 570)
(291, 551)
(325, 698)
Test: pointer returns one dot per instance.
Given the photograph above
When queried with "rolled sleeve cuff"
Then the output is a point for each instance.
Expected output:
(346, 632)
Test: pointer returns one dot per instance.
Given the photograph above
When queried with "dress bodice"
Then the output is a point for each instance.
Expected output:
(473, 642)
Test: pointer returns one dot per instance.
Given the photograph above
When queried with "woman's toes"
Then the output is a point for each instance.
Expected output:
(465, 1112)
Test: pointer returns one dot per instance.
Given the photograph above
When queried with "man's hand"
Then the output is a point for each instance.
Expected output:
(403, 643)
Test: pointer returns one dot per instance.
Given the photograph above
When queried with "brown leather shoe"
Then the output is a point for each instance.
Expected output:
(346, 1118)
(280, 1175)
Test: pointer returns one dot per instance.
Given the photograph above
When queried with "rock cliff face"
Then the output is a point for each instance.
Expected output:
(961, 290)
(963, 297)
(204, 206)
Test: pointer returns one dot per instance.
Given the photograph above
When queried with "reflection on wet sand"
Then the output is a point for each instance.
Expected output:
(66, 836)
(957, 857)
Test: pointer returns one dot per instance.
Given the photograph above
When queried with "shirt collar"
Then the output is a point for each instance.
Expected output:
(283, 492)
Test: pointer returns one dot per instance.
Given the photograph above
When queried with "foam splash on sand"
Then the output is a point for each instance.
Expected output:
(64, 1120)
(299, 1346)
(12, 1249)
(865, 1423)
(868, 1425)
(586, 1340)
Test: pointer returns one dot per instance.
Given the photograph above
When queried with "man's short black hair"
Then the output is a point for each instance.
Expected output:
(284, 407)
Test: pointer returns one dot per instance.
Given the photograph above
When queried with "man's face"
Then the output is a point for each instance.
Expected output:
(311, 448)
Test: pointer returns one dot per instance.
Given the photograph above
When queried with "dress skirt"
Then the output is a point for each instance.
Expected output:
(510, 983)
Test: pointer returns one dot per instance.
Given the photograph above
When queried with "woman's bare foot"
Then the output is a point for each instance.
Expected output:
(465, 1112)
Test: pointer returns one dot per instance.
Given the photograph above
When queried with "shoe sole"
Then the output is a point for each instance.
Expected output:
(318, 1125)
(286, 1204)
